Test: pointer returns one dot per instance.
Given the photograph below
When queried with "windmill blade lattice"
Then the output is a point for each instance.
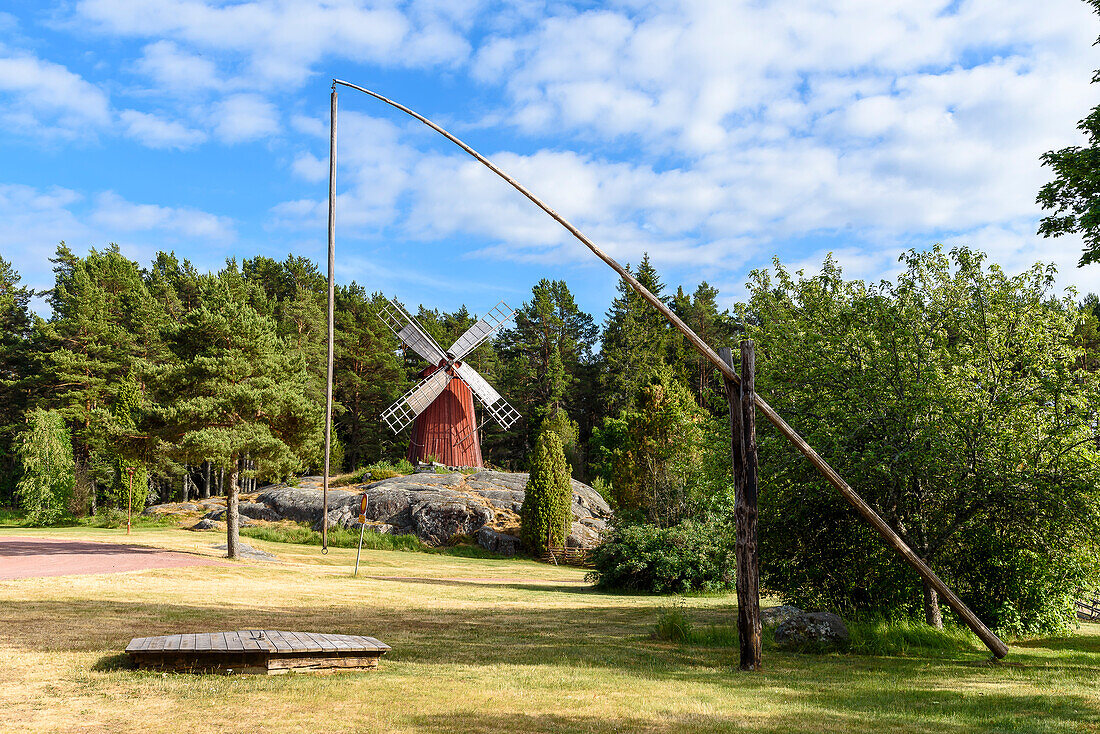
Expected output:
(410, 332)
(503, 413)
(483, 330)
(399, 415)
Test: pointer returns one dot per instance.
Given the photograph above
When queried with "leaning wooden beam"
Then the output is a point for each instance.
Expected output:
(994, 643)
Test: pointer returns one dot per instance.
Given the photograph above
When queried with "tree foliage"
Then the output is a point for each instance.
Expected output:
(16, 369)
(546, 512)
(46, 459)
(950, 400)
(651, 452)
(1074, 194)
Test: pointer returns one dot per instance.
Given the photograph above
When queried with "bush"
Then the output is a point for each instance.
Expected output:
(687, 557)
(549, 494)
(46, 456)
(673, 625)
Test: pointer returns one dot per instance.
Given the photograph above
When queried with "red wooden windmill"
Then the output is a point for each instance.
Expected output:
(441, 407)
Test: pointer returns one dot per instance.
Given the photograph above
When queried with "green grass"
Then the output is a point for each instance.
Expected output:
(373, 473)
(878, 637)
(341, 537)
(482, 646)
(109, 518)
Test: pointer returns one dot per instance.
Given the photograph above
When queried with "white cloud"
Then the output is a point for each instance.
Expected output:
(32, 223)
(117, 215)
(310, 168)
(46, 98)
(244, 117)
(155, 132)
(176, 70)
(279, 43)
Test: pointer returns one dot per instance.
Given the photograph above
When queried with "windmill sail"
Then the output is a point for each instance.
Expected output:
(410, 332)
(484, 329)
(399, 415)
(503, 413)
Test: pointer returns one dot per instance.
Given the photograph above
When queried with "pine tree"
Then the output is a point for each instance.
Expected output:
(717, 328)
(234, 390)
(546, 358)
(546, 510)
(15, 368)
(104, 321)
(46, 457)
(635, 341)
(368, 378)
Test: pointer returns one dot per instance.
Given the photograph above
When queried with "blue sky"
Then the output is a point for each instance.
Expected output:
(714, 134)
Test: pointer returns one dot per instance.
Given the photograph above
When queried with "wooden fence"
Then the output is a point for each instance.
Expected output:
(566, 557)
(1088, 605)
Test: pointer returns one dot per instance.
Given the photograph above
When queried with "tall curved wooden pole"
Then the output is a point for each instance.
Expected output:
(331, 312)
(994, 643)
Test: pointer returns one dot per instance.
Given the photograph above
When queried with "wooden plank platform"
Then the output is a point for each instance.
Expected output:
(256, 651)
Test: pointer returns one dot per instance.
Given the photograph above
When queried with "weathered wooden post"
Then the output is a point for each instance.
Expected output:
(742, 402)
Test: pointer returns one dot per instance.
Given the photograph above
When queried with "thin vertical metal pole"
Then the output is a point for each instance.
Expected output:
(362, 528)
(331, 312)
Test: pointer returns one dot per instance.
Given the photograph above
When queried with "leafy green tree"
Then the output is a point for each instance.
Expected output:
(546, 511)
(951, 401)
(651, 452)
(636, 339)
(1074, 194)
(46, 458)
(234, 390)
(15, 368)
(127, 444)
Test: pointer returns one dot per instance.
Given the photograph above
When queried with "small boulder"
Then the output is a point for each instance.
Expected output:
(497, 542)
(204, 524)
(812, 631)
(439, 519)
(257, 511)
(772, 616)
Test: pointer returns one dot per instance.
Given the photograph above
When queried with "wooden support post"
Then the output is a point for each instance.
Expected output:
(743, 448)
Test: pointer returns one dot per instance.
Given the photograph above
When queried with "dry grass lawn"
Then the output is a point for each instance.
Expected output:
(478, 646)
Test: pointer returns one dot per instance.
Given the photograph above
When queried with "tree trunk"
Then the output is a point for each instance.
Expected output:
(186, 482)
(932, 613)
(221, 481)
(232, 518)
(205, 480)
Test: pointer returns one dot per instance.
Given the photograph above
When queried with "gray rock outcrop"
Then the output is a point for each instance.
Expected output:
(772, 616)
(813, 631)
(438, 508)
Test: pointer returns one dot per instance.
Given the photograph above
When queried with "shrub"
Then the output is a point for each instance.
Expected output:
(673, 625)
(687, 557)
(548, 496)
(118, 492)
(46, 456)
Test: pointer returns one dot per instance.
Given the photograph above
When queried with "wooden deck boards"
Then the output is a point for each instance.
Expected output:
(256, 651)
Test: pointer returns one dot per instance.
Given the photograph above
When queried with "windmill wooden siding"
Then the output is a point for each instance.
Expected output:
(446, 429)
